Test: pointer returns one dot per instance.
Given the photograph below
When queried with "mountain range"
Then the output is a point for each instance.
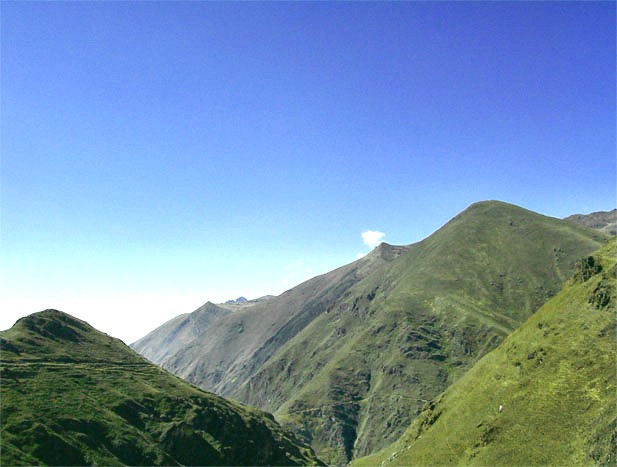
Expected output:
(606, 221)
(490, 342)
(349, 359)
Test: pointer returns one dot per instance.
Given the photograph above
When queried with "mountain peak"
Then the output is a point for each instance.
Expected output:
(54, 324)
(387, 252)
(491, 203)
(237, 300)
(487, 216)
(493, 206)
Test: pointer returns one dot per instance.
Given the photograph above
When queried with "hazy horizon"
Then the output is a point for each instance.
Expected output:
(159, 155)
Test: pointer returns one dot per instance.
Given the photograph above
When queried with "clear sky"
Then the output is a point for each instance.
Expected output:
(157, 155)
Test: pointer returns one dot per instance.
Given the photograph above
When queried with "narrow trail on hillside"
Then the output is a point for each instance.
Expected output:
(313, 409)
(366, 399)
(134, 368)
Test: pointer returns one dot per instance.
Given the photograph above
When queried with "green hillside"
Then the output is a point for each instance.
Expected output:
(356, 377)
(554, 379)
(71, 395)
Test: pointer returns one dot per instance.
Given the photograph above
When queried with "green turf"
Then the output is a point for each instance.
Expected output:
(71, 395)
(554, 378)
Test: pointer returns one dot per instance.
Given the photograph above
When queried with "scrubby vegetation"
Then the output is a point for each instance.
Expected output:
(74, 396)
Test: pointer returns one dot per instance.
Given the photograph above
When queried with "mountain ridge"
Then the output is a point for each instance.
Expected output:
(276, 320)
(545, 396)
(605, 221)
(397, 327)
(180, 331)
(72, 395)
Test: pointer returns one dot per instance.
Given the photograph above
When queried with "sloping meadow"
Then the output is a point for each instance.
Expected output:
(545, 396)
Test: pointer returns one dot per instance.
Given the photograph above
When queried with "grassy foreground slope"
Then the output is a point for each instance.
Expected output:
(71, 395)
(356, 377)
(554, 379)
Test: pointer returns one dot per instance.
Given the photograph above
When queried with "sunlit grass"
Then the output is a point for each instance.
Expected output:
(554, 378)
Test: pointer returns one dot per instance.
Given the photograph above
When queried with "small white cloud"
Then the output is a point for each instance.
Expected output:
(372, 238)
(361, 255)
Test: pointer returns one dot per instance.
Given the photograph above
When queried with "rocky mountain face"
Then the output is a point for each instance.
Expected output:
(348, 359)
(74, 396)
(179, 332)
(545, 396)
(239, 338)
(237, 300)
(605, 221)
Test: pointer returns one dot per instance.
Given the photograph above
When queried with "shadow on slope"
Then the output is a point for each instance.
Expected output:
(355, 378)
(74, 396)
(545, 396)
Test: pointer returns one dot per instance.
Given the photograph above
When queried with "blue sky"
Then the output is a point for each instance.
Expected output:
(156, 155)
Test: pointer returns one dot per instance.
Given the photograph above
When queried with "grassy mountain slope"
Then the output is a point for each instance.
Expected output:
(605, 221)
(554, 379)
(222, 355)
(74, 396)
(356, 377)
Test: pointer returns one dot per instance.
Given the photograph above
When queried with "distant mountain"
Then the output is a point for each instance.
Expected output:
(240, 338)
(237, 300)
(545, 396)
(179, 332)
(72, 395)
(606, 221)
(348, 359)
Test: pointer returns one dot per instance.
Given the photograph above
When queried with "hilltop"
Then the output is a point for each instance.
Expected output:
(348, 359)
(72, 395)
(545, 396)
